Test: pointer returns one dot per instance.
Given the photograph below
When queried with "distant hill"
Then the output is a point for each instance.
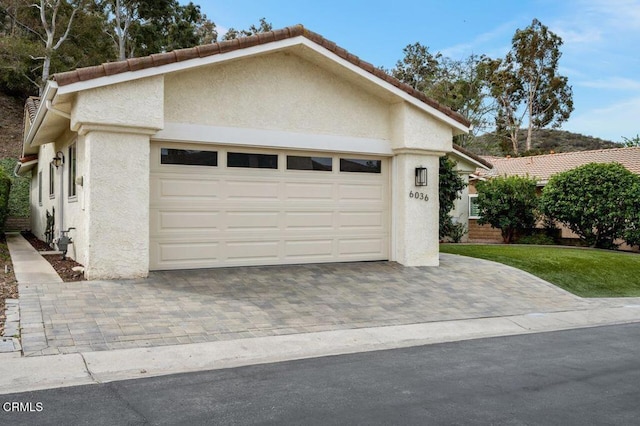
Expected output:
(544, 141)
(11, 116)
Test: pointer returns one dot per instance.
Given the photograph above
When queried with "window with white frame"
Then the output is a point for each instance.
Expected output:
(474, 210)
(72, 171)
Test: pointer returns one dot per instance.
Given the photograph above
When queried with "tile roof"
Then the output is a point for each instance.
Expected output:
(32, 105)
(135, 64)
(542, 167)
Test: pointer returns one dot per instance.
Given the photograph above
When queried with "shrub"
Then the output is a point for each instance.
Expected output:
(5, 189)
(19, 196)
(536, 239)
(599, 202)
(508, 203)
(456, 232)
(450, 185)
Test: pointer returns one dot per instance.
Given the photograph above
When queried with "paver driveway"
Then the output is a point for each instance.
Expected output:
(177, 307)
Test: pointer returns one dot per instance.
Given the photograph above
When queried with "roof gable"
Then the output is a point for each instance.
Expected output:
(158, 62)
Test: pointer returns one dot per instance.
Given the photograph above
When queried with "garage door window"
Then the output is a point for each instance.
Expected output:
(309, 163)
(188, 157)
(358, 165)
(258, 161)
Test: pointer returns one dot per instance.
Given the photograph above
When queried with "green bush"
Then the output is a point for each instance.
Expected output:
(599, 202)
(508, 203)
(450, 185)
(5, 189)
(19, 196)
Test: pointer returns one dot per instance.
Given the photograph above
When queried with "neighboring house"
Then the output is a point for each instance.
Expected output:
(278, 148)
(467, 164)
(542, 168)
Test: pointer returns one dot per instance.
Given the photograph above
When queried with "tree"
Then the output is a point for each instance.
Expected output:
(459, 85)
(631, 142)
(449, 187)
(508, 203)
(262, 27)
(599, 202)
(527, 87)
(46, 23)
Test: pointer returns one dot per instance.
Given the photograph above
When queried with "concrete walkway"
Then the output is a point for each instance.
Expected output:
(178, 321)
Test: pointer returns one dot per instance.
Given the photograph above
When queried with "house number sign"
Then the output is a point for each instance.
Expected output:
(420, 196)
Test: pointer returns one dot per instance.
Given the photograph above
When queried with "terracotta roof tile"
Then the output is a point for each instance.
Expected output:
(32, 105)
(135, 64)
(542, 167)
(28, 158)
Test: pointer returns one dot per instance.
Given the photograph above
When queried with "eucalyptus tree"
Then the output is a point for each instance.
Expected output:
(526, 85)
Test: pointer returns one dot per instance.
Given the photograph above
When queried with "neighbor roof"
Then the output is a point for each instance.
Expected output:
(136, 64)
(542, 167)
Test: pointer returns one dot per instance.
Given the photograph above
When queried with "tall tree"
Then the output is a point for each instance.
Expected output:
(38, 30)
(527, 87)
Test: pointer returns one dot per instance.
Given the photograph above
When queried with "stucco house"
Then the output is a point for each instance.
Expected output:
(541, 168)
(279, 148)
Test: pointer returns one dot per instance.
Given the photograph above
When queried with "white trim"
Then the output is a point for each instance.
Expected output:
(469, 159)
(276, 139)
(22, 168)
(255, 50)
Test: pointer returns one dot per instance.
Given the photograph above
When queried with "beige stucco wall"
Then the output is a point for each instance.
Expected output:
(116, 184)
(416, 221)
(415, 129)
(278, 91)
(131, 104)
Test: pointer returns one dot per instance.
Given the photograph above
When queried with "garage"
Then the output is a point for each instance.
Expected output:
(215, 205)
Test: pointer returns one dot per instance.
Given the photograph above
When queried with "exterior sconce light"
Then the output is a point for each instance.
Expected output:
(58, 160)
(421, 176)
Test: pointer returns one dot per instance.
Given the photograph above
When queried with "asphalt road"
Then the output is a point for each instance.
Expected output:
(578, 377)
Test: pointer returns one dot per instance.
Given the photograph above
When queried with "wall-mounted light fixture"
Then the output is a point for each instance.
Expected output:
(58, 160)
(421, 176)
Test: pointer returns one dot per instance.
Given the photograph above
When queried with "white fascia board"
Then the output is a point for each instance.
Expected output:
(276, 139)
(22, 168)
(255, 50)
(469, 159)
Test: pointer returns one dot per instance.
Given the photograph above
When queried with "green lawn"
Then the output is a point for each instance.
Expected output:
(585, 272)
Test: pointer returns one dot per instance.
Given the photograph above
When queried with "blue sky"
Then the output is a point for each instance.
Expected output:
(601, 51)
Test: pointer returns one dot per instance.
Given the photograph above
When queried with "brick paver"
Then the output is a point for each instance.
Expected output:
(177, 307)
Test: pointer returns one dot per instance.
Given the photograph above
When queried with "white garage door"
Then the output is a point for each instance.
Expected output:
(223, 206)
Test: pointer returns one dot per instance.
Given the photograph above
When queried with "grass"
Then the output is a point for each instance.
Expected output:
(584, 272)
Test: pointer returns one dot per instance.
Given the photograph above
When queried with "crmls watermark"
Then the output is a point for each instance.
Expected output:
(22, 407)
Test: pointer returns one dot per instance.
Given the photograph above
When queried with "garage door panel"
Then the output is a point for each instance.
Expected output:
(361, 192)
(188, 221)
(251, 221)
(309, 191)
(308, 221)
(309, 249)
(187, 253)
(252, 190)
(185, 189)
(358, 247)
(361, 219)
(247, 251)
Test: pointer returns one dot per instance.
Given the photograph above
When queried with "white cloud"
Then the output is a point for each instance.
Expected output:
(481, 41)
(615, 83)
(611, 122)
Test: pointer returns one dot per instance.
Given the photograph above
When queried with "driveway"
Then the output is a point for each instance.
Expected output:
(179, 307)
